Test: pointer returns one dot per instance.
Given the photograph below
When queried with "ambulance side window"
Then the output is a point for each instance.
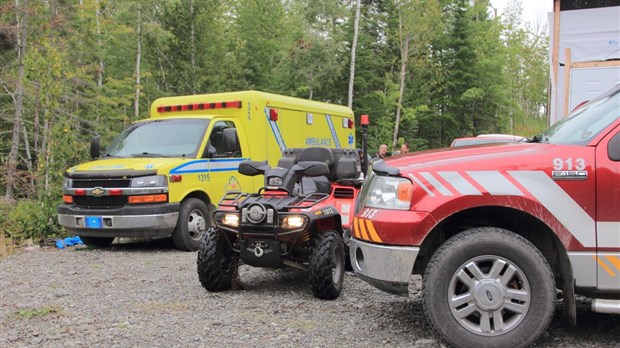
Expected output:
(223, 141)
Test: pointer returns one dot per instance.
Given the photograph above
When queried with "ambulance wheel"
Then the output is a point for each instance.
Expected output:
(193, 221)
(100, 242)
(489, 287)
(216, 262)
(326, 265)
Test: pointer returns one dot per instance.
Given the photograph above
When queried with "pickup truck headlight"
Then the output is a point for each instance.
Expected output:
(149, 181)
(387, 192)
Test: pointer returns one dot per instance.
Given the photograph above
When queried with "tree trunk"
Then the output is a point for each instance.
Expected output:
(11, 170)
(403, 73)
(193, 46)
(136, 103)
(100, 45)
(353, 49)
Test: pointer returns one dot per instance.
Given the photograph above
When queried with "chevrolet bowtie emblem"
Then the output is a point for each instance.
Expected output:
(97, 191)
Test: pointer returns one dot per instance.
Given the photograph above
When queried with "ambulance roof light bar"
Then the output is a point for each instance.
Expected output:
(200, 106)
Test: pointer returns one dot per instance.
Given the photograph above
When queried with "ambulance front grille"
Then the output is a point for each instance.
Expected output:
(100, 202)
(104, 183)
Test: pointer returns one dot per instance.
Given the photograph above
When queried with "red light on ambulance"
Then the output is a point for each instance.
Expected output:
(200, 106)
(350, 123)
(273, 115)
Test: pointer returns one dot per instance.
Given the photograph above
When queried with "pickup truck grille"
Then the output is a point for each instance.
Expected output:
(100, 202)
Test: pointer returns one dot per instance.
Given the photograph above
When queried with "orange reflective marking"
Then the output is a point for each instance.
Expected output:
(354, 228)
(362, 229)
(615, 260)
(604, 266)
(372, 232)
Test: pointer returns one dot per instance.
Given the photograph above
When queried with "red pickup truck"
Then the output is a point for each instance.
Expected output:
(495, 230)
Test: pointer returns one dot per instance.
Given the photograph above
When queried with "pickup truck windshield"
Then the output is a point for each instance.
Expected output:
(160, 138)
(584, 124)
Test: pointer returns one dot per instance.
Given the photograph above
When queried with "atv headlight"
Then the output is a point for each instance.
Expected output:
(231, 219)
(149, 181)
(294, 221)
(388, 192)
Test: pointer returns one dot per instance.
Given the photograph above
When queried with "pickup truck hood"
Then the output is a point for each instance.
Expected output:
(469, 158)
(120, 165)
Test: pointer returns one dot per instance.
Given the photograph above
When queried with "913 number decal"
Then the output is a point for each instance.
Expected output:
(569, 163)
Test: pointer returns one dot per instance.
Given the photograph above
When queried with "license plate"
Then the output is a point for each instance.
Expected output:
(94, 222)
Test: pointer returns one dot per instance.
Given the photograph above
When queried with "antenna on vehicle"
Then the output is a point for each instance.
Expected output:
(364, 122)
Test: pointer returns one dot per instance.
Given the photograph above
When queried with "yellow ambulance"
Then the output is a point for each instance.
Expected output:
(163, 176)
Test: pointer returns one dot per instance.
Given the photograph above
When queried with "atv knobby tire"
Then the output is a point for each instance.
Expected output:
(326, 265)
(216, 261)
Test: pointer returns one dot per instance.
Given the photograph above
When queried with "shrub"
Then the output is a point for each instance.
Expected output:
(31, 219)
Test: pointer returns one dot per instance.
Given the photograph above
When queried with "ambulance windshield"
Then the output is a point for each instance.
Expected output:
(160, 138)
(585, 123)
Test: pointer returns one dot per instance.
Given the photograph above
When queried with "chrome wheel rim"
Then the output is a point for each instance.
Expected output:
(489, 295)
(196, 225)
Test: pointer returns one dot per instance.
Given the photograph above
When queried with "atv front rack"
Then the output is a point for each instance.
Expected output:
(233, 199)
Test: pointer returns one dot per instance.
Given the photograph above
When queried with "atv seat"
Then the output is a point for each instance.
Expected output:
(318, 184)
(347, 165)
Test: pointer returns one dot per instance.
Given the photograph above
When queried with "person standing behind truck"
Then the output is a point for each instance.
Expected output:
(404, 148)
(382, 152)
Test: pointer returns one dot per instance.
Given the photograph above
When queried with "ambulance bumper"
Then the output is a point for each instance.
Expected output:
(140, 221)
(386, 267)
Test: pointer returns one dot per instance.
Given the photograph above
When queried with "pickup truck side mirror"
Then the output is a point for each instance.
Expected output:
(95, 147)
(613, 148)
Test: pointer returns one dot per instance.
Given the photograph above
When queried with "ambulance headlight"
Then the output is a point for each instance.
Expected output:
(294, 221)
(387, 192)
(274, 181)
(149, 181)
(67, 183)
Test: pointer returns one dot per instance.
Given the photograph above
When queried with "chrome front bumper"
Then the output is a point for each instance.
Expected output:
(386, 267)
(158, 225)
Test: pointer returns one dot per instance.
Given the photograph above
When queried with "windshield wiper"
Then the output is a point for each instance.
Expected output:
(147, 154)
(541, 138)
(108, 155)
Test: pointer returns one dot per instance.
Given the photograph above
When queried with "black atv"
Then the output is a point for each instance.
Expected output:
(296, 220)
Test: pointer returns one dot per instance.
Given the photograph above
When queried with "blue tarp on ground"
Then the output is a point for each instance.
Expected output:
(69, 241)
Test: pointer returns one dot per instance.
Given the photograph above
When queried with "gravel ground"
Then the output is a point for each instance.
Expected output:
(147, 294)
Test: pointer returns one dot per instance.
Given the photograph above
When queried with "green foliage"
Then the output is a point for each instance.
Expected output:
(31, 313)
(465, 73)
(31, 219)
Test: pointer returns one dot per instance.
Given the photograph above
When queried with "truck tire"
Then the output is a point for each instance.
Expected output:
(194, 219)
(489, 287)
(216, 262)
(100, 242)
(326, 264)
